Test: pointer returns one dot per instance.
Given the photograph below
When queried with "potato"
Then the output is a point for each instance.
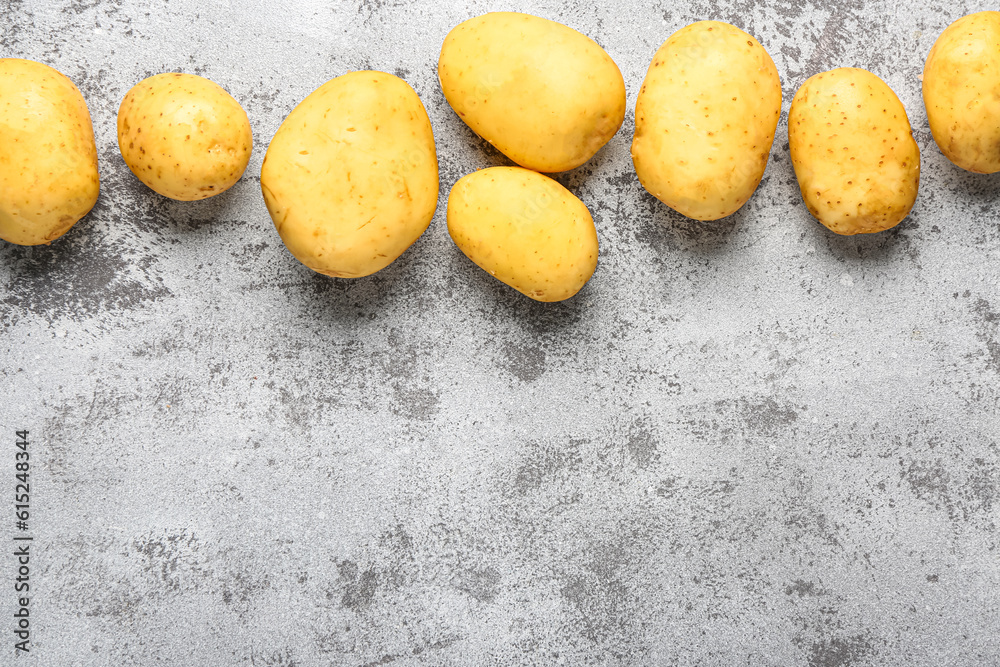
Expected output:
(853, 151)
(48, 159)
(525, 230)
(184, 136)
(545, 95)
(351, 176)
(962, 92)
(705, 120)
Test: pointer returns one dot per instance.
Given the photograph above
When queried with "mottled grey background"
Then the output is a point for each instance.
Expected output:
(743, 443)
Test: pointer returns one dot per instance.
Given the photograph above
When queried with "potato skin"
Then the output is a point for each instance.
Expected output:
(545, 95)
(854, 155)
(961, 89)
(524, 229)
(705, 119)
(351, 176)
(184, 136)
(48, 159)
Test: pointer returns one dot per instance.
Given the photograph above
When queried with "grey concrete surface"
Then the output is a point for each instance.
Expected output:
(743, 443)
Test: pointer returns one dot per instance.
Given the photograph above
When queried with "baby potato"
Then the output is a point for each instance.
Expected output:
(351, 176)
(962, 92)
(48, 159)
(184, 136)
(853, 151)
(545, 95)
(525, 230)
(705, 120)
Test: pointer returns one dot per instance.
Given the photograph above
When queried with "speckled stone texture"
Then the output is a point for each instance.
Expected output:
(749, 442)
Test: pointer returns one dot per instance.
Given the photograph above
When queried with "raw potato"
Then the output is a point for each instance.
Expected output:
(705, 120)
(853, 151)
(525, 230)
(962, 92)
(351, 176)
(545, 95)
(48, 159)
(184, 136)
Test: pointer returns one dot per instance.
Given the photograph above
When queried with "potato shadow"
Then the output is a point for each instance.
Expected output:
(877, 246)
(32, 261)
(504, 305)
(129, 203)
(401, 284)
(84, 273)
(979, 188)
(670, 231)
(191, 217)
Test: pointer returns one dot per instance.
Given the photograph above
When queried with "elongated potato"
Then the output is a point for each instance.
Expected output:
(962, 92)
(853, 151)
(705, 120)
(525, 230)
(545, 95)
(48, 159)
(351, 176)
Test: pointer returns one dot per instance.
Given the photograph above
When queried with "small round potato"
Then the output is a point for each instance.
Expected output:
(853, 151)
(184, 136)
(48, 159)
(962, 92)
(351, 176)
(525, 230)
(705, 120)
(545, 95)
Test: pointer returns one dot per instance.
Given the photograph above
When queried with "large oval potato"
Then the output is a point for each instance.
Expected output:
(351, 176)
(184, 136)
(525, 230)
(962, 92)
(48, 159)
(705, 120)
(853, 151)
(545, 95)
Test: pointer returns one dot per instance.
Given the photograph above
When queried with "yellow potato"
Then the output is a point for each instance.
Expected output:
(853, 151)
(184, 136)
(351, 176)
(705, 120)
(962, 92)
(48, 159)
(545, 95)
(525, 230)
